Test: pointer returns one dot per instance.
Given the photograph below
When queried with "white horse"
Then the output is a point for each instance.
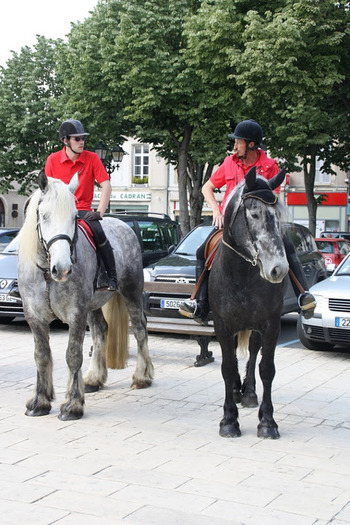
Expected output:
(57, 273)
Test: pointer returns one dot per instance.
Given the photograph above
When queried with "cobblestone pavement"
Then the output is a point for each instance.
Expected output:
(155, 456)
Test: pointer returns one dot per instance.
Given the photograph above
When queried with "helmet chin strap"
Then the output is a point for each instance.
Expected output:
(70, 147)
(247, 148)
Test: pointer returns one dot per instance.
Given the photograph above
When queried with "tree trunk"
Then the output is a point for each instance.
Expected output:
(183, 148)
(199, 174)
(309, 168)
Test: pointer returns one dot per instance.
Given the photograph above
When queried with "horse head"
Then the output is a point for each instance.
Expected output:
(56, 223)
(252, 225)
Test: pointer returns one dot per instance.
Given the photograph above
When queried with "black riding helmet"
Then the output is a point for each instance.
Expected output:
(71, 128)
(248, 130)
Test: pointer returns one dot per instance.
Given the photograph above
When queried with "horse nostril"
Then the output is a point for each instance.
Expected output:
(54, 270)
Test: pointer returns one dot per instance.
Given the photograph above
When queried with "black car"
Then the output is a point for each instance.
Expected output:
(156, 232)
(179, 267)
(6, 236)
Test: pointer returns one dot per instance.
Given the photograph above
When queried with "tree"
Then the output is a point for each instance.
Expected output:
(28, 121)
(289, 76)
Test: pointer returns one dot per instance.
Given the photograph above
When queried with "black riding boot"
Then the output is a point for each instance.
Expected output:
(198, 308)
(107, 257)
(306, 300)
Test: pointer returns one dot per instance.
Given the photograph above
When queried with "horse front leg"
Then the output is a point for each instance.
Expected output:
(249, 397)
(267, 427)
(73, 407)
(96, 375)
(229, 426)
(40, 403)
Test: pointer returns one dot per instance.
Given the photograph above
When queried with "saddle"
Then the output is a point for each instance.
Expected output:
(210, 250)
(211, 247)
(86, 230)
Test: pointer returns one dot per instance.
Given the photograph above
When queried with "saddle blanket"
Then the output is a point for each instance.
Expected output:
(86, 230)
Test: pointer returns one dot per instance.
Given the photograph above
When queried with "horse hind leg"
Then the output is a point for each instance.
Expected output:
(143, 375)
(40, 403)
(249, 398)
(96, 375)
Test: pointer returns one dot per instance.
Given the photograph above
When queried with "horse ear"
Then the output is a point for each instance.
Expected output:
(72, 186)
(42, 181)
(250, 179)
(277, 179)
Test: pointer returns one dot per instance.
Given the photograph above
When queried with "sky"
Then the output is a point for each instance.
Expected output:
(22, 20)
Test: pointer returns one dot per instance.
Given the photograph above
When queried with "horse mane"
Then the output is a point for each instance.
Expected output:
(57, 200)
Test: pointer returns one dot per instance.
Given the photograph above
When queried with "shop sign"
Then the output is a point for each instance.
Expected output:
(138, 196)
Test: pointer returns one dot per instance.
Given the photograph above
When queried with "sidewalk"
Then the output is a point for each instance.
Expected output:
(155, 456)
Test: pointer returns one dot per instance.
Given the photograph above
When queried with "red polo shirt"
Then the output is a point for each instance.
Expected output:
(90, 169)
(233, 170)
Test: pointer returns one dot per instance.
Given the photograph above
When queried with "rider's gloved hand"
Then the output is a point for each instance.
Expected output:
(93, 216)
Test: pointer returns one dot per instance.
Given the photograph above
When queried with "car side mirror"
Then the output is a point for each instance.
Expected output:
(171, 249)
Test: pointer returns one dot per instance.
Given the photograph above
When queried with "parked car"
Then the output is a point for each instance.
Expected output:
(156, 232)
(330, 324)
(179, 267)
(6, 236)
(336, 235)
(333, 250)
(10, 307)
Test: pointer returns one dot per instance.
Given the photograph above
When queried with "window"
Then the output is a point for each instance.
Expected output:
(141, 164)
(320, 176)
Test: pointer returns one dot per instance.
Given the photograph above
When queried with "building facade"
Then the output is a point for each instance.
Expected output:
(145, 182)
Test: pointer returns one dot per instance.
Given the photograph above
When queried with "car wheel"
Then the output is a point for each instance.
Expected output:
(308, 343)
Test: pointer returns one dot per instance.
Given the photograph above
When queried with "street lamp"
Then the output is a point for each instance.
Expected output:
(116, 154)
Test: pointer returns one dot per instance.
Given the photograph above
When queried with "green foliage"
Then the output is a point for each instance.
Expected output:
(28, 121)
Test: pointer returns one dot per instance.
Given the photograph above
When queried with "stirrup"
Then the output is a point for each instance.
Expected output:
(191, 308)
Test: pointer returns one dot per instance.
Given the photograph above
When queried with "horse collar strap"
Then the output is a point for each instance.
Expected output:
(266, 196)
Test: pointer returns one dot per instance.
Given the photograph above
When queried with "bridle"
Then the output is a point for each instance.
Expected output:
(60, 237)
(252, 260)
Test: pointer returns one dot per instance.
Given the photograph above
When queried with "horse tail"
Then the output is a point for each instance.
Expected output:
(117, 345)
(243, 343)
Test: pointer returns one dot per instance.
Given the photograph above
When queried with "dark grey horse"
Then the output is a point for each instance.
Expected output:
(246, 287)
(57, 268)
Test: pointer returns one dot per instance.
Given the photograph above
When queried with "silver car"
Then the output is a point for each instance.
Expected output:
(330, 324)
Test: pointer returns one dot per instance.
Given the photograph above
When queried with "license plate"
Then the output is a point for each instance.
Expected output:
(342, 322)
(171, 304)
(4, 298)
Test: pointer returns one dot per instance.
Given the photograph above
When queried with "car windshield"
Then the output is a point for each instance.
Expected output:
(12, 247)
(344, 267)
(193, 240)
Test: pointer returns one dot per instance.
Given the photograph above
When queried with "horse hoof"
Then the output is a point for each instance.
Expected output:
(70, 416)
(268, 432)
(230, 431)
(91, 388)
(141, 383)
(38, 412)
(249, 401)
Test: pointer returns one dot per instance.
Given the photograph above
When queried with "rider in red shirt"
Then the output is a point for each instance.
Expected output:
(248, 137)
(72, 159)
